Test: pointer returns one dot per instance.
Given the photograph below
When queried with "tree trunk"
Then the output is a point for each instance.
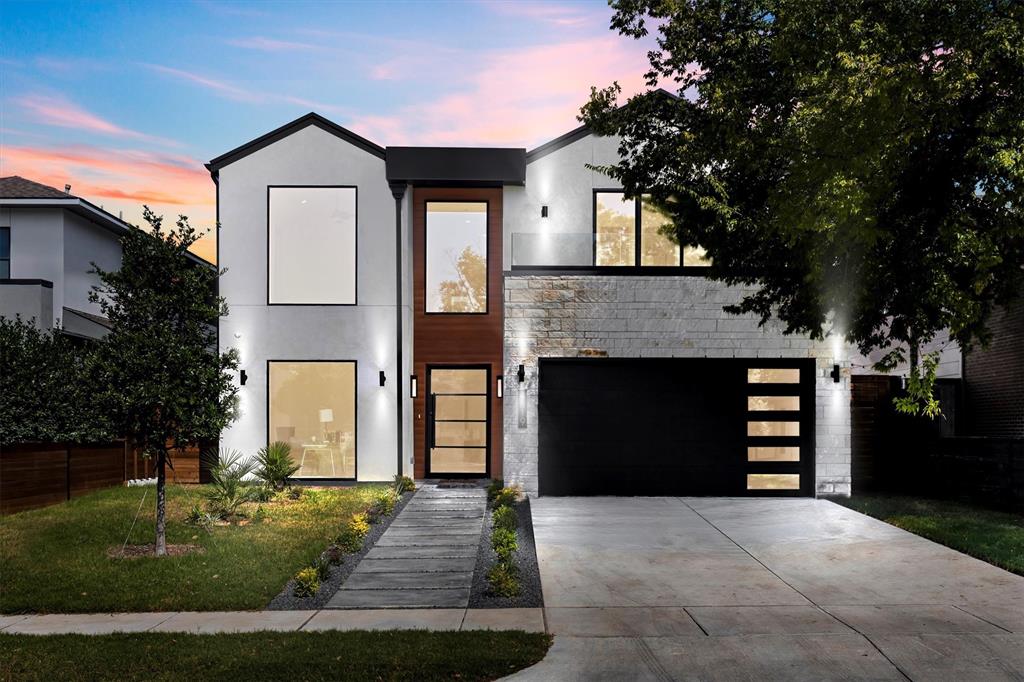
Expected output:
(915, 351)
(161, 504)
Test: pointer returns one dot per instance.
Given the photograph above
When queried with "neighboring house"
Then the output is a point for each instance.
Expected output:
(994, 377)
(491, 312)
(49, 240)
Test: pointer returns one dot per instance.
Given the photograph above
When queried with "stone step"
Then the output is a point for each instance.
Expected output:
(423, 552)
(387, 581)
(461, 529)
(413, 565)
(387, 540)
(407, 599)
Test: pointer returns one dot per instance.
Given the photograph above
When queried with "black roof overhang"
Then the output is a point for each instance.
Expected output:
(456, 166)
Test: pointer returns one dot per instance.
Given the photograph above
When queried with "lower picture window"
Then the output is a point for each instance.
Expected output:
(313, 409)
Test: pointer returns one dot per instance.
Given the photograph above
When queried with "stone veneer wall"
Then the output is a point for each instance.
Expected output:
(634, 316)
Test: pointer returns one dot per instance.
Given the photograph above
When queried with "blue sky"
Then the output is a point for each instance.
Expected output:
(125, 101)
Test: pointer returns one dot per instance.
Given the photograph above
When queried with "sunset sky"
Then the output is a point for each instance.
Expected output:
(125, 101)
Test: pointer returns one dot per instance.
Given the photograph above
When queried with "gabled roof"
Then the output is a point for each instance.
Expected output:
(16, 191)
(17, 187)
(578, 133)
(310, 119)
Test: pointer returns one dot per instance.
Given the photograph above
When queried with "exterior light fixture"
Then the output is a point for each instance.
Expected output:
(383, 379)
(243, 377)
(835, 373)
(501, 387)
(521, 374)
(412, 386)
(544, 211)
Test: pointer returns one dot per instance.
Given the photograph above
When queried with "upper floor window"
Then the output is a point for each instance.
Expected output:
(456, 257)
(5, 253)
(627, 233)
(311, 245)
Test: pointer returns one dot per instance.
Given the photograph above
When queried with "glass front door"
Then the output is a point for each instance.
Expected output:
(458, 415)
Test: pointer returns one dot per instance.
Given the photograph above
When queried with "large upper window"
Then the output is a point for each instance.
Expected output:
(5, 253)
(627, 233)
(313, 408)
(456, 254)
(312, 245)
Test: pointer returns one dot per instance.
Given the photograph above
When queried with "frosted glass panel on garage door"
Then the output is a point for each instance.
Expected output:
(312, 245)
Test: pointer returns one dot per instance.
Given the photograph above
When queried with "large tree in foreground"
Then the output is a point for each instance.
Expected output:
(860, 162)
(164, 381)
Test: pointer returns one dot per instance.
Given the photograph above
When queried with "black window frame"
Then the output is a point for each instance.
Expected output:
(6, 230)
(487, 253)
(355, 292)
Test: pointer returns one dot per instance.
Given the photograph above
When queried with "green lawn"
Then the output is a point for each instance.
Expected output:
(401, 655)
(992, 536)
(55, 559)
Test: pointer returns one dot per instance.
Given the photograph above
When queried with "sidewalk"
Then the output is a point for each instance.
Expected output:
(210, 622)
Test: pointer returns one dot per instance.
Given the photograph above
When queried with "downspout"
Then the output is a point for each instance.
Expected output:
(398, 192)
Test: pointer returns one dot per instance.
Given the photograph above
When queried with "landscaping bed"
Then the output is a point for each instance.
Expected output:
(55, 559)
(524, 558)
(287, 600)
(992, 536)
(394, 655)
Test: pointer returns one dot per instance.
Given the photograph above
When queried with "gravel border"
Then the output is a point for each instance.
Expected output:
(287, 601)
(530, 593)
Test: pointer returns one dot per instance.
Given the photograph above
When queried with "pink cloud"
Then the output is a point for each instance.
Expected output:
(123, 180)
(60, 112)
(519, 97)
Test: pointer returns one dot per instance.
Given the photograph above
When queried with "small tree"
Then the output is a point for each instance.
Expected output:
(166, 385)
(861, 163)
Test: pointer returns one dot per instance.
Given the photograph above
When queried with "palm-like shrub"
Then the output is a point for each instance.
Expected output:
(228, 489)
(274, 465)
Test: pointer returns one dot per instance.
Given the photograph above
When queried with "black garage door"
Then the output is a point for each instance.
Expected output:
(676, 426)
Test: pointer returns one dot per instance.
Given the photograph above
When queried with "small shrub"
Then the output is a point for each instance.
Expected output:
(385, 501)
(228, 489)
(493, 488)
(504, 543)
(359, 524)
(262, 493)
(503, 580)
(506, 497)
(322, 566)
(275, 465)
(260, 514)
(201, 519)
(296, 492)
(403, 484)
(349, 541)
(307, 582)
(505, 518)
(334, 554)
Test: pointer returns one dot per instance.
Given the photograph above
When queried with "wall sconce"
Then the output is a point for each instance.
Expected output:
(521, 374)
(544, 211)
(412, 386)
(243, 377)
(501, 387)
(383, 379)
(835, 373)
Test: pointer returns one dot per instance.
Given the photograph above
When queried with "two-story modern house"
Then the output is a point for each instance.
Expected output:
(492, 312)
(49, 240)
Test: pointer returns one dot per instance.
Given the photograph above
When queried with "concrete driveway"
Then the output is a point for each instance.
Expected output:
(753, 589)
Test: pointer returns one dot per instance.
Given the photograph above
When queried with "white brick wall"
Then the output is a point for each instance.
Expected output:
(563, 316)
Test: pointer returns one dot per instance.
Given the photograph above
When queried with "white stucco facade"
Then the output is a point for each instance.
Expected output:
(364, 332)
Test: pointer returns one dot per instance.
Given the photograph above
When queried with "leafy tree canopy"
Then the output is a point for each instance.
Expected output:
(860, 162)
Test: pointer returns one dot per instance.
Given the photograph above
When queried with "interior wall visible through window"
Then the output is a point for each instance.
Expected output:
(312, 245)
(312, 407)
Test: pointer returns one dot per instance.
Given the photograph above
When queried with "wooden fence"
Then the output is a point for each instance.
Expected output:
(39, 474)
(897, 454)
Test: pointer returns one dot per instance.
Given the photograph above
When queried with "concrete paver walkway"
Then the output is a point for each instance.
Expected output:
(742, 589)
(425, 558)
